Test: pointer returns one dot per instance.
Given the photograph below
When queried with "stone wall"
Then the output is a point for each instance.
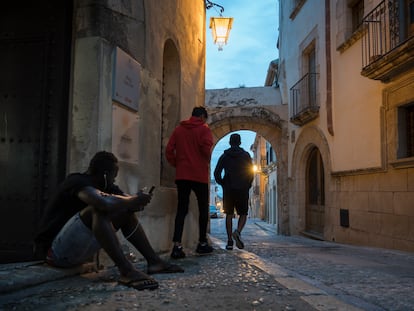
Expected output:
(380, 209)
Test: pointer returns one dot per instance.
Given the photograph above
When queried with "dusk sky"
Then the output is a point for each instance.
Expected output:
(245, 59)
(251, 46)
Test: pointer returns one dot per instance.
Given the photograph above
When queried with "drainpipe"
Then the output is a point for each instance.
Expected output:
(328, 66)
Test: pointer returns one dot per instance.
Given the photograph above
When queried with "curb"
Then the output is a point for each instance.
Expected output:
(23, 275)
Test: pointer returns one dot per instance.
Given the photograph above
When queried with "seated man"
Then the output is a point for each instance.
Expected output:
(84, 215)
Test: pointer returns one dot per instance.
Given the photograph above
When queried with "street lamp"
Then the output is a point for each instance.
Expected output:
(220, 26)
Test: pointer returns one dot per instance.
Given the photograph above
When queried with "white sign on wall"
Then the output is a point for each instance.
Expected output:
(127, 80)
(124, 134)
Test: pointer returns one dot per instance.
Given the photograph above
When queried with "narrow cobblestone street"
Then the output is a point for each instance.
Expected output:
(272, 273)
(370, 278)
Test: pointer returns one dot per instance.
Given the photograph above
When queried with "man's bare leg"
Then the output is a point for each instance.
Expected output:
(229, 226)
(241, 223)
(105, 234)
(135, 234)
(237, 233)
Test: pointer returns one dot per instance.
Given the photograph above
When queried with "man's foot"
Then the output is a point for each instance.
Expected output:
(237, 237)
(204, 248)
(164, 267)
(138, 280)
(229, 245)
(177, 252)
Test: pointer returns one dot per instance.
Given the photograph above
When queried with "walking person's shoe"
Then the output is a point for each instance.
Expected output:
(177, 252)
(204, 248)
(229, 245)
(237, 237)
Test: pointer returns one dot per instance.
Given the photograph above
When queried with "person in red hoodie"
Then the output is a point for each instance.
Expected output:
(189, 151)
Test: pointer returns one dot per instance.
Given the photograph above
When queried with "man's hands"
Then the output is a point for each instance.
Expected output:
(142, 199)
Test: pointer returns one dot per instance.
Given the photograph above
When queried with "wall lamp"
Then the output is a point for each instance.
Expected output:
(259, 170)
(220, 26)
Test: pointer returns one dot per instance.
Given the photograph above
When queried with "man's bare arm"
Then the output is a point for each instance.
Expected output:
(109, 203)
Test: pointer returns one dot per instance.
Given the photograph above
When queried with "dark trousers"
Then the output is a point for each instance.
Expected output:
(184, 188)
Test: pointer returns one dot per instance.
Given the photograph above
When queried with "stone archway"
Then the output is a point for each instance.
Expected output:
(267, 122)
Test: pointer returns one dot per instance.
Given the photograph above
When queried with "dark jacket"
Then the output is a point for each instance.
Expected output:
(238, 169)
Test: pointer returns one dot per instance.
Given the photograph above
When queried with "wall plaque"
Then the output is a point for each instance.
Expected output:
(127, 80)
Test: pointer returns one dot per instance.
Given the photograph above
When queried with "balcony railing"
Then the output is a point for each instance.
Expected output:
(382, 26)
(304, 106)
(387, 45)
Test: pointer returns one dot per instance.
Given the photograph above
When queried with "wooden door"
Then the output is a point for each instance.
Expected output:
(34, 84)
(315, 194)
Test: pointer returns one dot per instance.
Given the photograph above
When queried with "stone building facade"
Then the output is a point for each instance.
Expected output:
(81, 76)
(351, 155)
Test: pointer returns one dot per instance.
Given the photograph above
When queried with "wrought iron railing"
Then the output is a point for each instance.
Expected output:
(383, 31)
(303, 95)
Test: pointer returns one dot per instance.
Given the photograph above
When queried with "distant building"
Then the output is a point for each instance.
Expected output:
(215, 197)
(263, 195)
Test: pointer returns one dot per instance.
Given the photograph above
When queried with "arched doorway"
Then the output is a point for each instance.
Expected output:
(268, 124)
(315, 193)
(171, 106)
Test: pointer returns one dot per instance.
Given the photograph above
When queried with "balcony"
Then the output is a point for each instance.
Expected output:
(304, 107)
(388, 43)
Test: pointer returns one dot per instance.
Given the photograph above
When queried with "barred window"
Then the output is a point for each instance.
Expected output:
(357, 11)
(405, 131)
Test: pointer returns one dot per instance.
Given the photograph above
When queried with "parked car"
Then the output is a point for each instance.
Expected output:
(214, 213)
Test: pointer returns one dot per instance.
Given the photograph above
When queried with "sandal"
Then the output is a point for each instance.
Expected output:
(169, 268)
(141, 284)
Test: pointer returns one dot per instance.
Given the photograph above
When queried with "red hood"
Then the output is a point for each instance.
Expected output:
(192, 122)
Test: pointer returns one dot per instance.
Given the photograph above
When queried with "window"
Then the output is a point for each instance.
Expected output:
(398, 124)
(270, 154)
(311, 64)
(297, 5)
(349, 23)
(304, 105)
(357, 11)
(410, 19)
(405, 131)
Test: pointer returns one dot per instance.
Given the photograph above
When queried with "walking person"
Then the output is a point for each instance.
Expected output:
(237, 180)
(83, 216)
(189, 151)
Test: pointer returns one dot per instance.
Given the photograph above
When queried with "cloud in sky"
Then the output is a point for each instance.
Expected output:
(251, 46)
